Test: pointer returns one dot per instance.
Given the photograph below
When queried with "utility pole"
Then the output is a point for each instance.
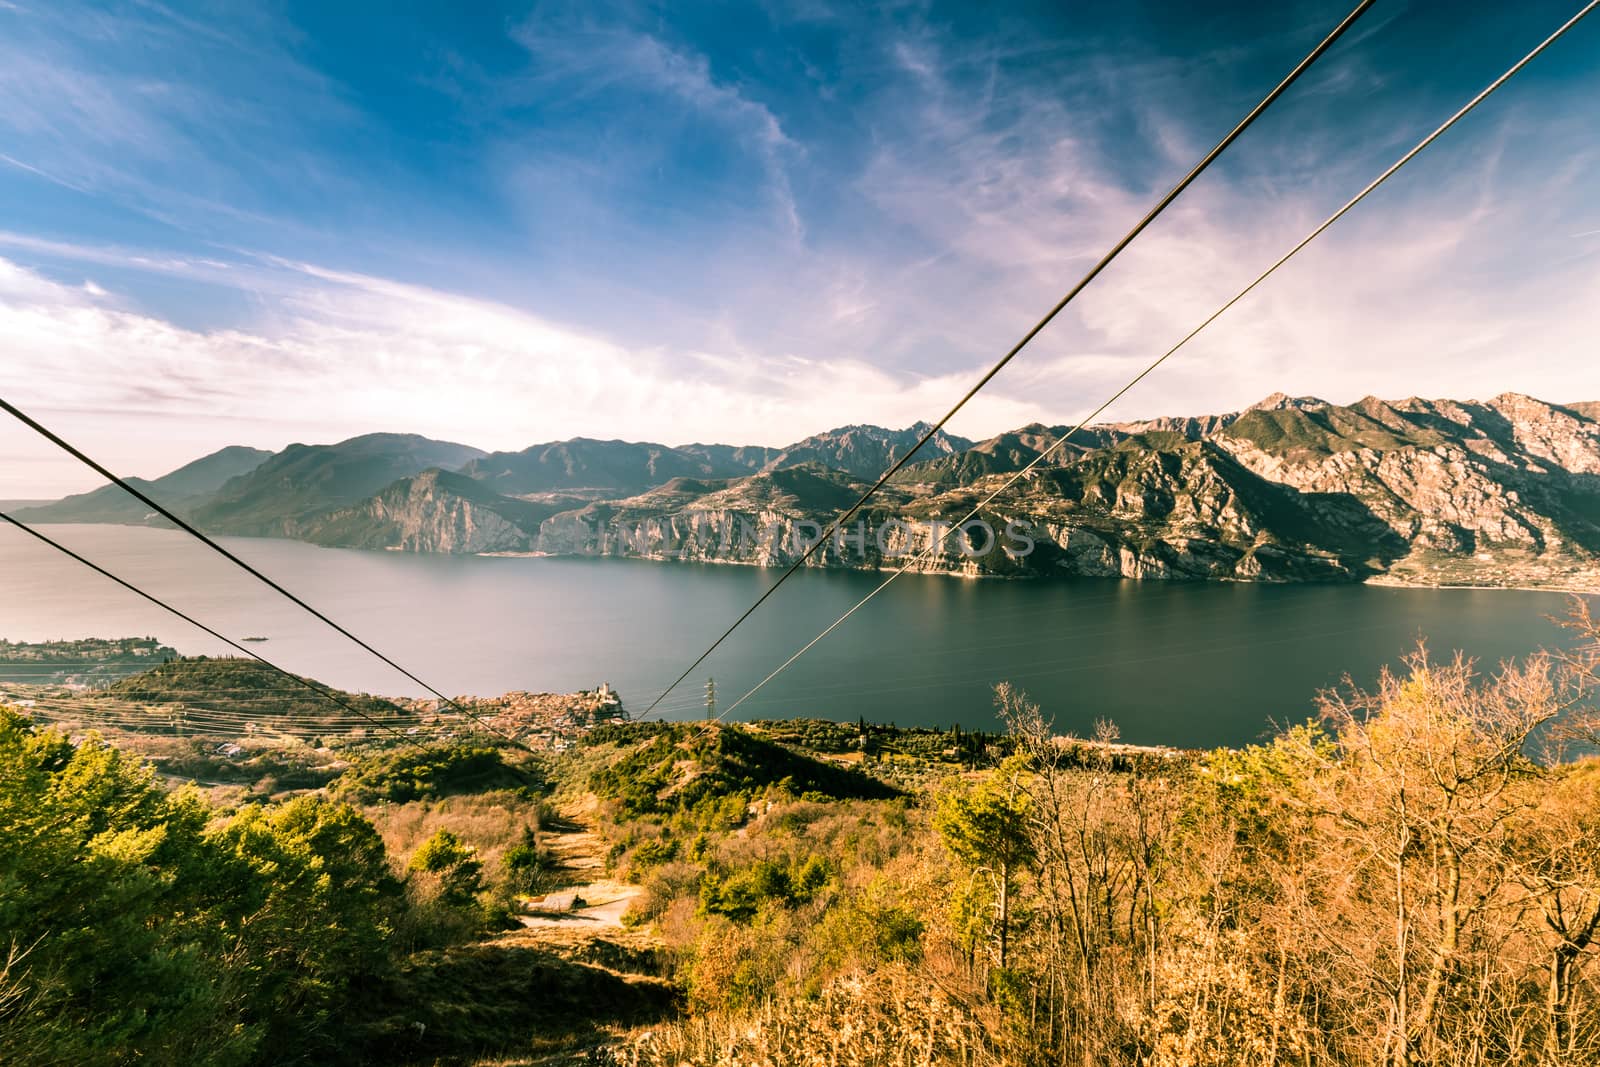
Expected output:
(711, 698)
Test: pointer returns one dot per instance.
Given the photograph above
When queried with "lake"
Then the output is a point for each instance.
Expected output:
(1176, 663)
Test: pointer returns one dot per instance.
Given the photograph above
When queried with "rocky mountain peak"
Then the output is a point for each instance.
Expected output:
(1589, 409)
(1548, 432)
(1285, 402)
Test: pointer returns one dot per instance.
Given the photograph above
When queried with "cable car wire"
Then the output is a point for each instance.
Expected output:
(166, 513)
(308, 683)
(1389, 172)
(1093, 272)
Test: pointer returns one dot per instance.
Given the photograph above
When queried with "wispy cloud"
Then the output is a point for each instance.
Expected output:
(134, 106)
(343, 353)
(39, 172)
(588, 56)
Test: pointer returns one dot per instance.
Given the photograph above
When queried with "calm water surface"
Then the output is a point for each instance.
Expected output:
(1187, 664)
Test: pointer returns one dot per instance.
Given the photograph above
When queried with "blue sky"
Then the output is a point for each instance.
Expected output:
(260, 223)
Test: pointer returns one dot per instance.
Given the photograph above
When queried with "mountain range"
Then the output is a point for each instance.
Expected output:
(1499, 492)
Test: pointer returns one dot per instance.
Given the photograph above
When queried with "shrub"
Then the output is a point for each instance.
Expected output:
(527, 864)
(741, 894)
(460, 874)
(416, 774)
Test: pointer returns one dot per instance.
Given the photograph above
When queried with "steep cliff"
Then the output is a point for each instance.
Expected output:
(436, 511)
(1188, 511)
(1502, 492)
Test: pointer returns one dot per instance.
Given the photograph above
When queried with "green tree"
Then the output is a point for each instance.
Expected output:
(460, 872)
(985, 827)
(111, 948)
(526, 863)
(312, 904)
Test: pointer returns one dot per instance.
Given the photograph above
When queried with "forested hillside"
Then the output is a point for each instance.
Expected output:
(1414, 878)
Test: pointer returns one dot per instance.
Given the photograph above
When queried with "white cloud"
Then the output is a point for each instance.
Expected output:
(344, 353)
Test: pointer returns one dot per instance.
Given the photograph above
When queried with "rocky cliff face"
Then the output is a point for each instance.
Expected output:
(1503, 491)
(434, 512)
(1293, 489)
(1187, 512)
(303, 483)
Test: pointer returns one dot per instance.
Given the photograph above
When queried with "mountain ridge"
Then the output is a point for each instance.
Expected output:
(1503, 491)
(303, 481)
(178, 490)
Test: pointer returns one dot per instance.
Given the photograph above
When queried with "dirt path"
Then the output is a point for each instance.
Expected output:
(604, 903)
(604, 900)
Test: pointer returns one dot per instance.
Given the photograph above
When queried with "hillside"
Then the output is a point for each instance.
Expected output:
(181, 490)
(1005, 453)
(1180, 510)
(866, 451)
(1293, 489)
(582, 464)
(813, 891)
(304, 480)
(658, 768)
(1589, 409)
(1505, 490)
(1501, 492)
(622, 468)
(245, 687)
(730, 461)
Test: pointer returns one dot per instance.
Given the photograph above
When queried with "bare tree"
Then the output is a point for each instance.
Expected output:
(1416, 799)
(1557, 863)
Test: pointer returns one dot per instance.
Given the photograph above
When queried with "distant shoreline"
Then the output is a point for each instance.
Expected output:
(1398, 583)
(1380, 580)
